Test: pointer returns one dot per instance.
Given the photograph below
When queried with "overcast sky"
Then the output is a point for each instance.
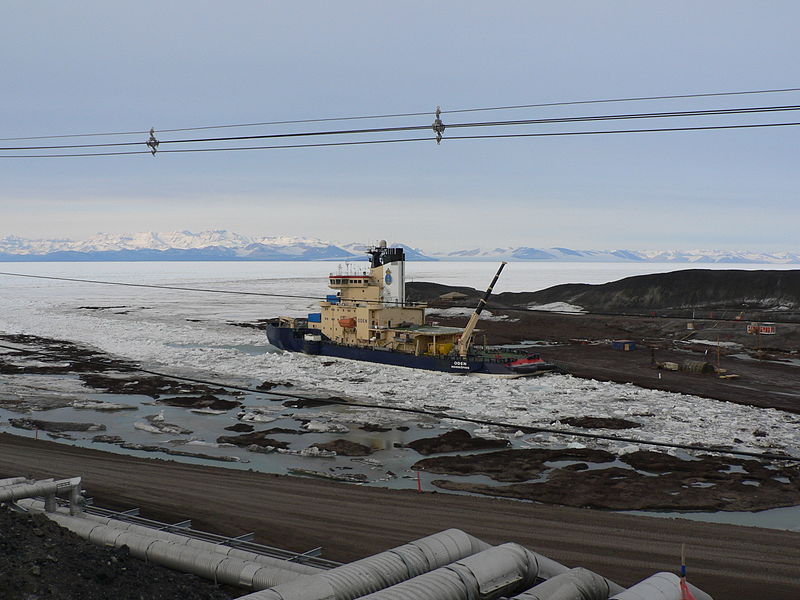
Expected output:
(97, 66)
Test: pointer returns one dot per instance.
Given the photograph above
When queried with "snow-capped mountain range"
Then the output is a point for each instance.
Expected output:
(225, 245)
(659, 256)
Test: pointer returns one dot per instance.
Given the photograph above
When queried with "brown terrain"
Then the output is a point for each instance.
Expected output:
(352, 521)
(582, 346)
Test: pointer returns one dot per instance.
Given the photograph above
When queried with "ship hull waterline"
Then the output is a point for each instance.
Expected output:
(293, 340)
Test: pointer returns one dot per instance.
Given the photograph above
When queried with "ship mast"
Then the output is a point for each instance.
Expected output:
(466, 337)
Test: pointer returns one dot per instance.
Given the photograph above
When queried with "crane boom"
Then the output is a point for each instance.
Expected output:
(466, 337)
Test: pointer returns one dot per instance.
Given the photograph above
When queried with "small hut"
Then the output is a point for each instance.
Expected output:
(697, 366)
(624, 345)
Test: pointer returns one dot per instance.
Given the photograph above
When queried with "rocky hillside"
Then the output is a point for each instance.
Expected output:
(699, 289)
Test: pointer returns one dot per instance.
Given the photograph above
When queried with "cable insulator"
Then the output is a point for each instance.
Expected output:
(152, 142)
(438, 126)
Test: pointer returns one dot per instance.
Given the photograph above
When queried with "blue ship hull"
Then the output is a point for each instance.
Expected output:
(293, 340)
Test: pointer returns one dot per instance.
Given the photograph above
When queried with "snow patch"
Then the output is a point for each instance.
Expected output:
(560, 307)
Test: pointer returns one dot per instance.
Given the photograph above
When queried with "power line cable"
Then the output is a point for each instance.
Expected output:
(516, 122)
(656, 115)
(632, 99)
(164, 287)
(419, 139)
(435, 414)
(414, 114)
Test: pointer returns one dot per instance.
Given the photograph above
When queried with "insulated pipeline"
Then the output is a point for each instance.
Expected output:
(497, 571)
(380, 571)
(575, 584)
(176, 552)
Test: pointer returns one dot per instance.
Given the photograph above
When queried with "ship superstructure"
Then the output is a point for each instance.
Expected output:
(370, 309)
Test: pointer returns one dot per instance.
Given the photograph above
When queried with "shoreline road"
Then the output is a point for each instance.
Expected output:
(351, 521)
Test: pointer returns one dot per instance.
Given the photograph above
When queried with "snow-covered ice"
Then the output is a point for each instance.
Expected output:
(732, 345)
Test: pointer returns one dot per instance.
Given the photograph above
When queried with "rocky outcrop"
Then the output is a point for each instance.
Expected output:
(257, 438)
(55, 426)
(202, 401)
(600, 422)
(509, 465)
(651, 480)
(344, 448)
(457, 440)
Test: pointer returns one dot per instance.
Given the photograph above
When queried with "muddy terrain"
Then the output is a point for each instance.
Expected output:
(641, 480)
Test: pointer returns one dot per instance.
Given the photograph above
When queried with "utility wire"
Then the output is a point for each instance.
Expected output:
(222, 149)
(430, 413)
(413, 114)
(419, 139)
(610, 100)
(517, 122)
(164, 287)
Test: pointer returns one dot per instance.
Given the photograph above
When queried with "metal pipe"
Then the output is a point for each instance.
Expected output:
(380, 571)
(12, 481)
(495, 572)
(575, 584)
(206, 546)
(216, 566)
(108, 531)
(47, 488)
(661, 586)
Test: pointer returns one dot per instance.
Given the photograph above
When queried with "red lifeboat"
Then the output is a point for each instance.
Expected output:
(348, 323)
(533, 363)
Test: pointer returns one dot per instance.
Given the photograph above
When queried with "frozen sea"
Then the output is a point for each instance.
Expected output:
(193, 333)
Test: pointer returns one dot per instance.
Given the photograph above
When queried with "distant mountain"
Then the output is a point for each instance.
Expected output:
(175, 245)
(523, 253)
(225, 245)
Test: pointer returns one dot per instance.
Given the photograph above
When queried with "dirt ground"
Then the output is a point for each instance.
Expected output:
(351, 522)
(584, 349)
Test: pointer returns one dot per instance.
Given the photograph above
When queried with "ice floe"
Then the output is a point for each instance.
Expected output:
(330, 427)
